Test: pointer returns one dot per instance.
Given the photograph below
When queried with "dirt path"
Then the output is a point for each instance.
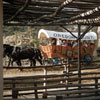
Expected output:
(27, 72)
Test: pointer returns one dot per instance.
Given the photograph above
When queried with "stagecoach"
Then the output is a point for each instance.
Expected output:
(68, 52)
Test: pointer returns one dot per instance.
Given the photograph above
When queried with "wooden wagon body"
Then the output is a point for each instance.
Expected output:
(53, 51)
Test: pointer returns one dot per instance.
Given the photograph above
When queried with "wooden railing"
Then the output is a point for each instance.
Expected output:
(62, 86)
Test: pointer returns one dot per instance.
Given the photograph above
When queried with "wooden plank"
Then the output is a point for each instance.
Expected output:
(64, 92)
(1, 50)
(50, 76)
(51, 80)
(53, 86)
(85, 98)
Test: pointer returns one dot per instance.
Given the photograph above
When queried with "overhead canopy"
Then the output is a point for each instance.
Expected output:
(65, 35)
(51, 12)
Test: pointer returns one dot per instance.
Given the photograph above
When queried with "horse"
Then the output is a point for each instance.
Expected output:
(16, 54)
(8, 50)
(30, 53)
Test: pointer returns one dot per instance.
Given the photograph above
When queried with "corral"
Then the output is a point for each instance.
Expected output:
(55, 83)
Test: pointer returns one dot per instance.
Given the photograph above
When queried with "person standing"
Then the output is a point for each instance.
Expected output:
(53, 41)
(59, 42)
(64, 43)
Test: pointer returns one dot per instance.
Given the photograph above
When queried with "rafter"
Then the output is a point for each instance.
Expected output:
(20, 10)
(56, 12)
(49, 12)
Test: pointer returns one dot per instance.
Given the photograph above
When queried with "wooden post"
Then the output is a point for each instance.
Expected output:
(14, 92)
(36, 94)
(96, 86)
(58, 97)
(67, 82)
(45, 73)
(66, 67)
(1, 51)
(44, 84)
(79, 56)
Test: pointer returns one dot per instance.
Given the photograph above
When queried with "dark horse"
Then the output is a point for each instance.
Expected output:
(16, 54)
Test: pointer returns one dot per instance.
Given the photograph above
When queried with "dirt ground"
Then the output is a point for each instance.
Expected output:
(39, 71)
(29, 72)
(33, 72)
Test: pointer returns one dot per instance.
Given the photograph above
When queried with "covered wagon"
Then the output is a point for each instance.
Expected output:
(68, 51)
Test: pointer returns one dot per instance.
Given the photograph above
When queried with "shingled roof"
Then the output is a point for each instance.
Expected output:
(51, 12)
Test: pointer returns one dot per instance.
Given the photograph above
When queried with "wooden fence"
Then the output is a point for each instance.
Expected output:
(58, 87)
(63, 86)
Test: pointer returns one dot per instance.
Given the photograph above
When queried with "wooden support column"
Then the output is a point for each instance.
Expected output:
(1, 50)
(79, 54)
(45, 74)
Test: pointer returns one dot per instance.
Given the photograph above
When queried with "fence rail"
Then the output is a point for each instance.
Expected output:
(64, 85)
(61, 86)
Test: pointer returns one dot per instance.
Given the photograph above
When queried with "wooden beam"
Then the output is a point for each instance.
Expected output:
(1, 51)
(20, 10)
(68, 31)
(56, 12)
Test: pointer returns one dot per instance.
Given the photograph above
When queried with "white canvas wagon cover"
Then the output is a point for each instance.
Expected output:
(65, 35)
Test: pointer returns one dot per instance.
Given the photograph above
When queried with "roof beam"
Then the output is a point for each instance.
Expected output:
(82, 15)
(56, 12)
(20, 10)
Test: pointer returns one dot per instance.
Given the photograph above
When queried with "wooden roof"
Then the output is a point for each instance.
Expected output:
(51, 12)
